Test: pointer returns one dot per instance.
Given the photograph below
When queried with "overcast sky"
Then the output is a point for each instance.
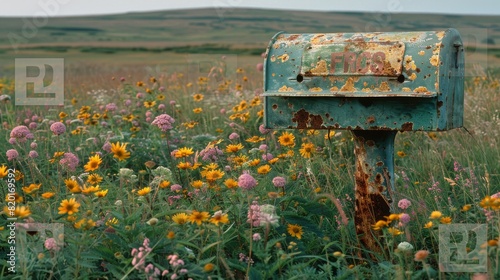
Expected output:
(29, 8)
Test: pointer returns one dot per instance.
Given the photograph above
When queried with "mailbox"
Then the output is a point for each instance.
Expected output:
(374, 84)
(365, 81)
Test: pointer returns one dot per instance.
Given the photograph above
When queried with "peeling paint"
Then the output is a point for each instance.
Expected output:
(335, 79)
(434, 60)
(285, 89)
(413, 76)
(349, 85)
(440, 35)
(406, 89)
(421, 89)
(284, 57)
(384, 87)
(421, 53)
(316, 89)
(317, 38)
(320, 68)
(334, 88)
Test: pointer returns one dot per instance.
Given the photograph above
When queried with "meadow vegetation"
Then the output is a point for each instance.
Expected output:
(172, 176)
(156, 173)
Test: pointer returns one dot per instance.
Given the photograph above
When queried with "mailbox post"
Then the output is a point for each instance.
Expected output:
(374, 84)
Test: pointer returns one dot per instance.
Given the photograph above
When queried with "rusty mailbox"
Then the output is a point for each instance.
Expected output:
(374, 84)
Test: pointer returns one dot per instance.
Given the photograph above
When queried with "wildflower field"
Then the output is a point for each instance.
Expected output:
(169, 176)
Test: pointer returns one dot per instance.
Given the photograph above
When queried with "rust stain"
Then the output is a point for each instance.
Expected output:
(349, 85)
(284, 57)
(421, 89)
(320, 68)
(334, 79)
(316, 121)
(421, 53)
(316, 89)
(406, 89)
(334, 88)
(434, 60)
(388, 69)
(366, 90)
(285, 89)
(409, 63)
(370, 119)
(305, 120)
(407, 126)
(317, 38)
(384, 86)
(273, 58)
(275, 106)
(292, 37)
(379, 179)
(413, 76)
(369, 207)
(408, 59)
(380, 163)
(440, 35)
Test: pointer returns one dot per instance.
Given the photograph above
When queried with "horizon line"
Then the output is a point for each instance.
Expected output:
(246, 8)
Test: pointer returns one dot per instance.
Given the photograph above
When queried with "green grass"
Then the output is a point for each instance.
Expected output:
(436, 172)
(318, 191)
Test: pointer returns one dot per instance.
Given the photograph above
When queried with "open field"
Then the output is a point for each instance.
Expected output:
(164, 37)
(158, 170)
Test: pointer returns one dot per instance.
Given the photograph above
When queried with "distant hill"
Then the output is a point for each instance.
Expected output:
(243, 31)
(240, 27)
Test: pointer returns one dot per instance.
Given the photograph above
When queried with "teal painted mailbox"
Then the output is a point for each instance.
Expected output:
(374, 84)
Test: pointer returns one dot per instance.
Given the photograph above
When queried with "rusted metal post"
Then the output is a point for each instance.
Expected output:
(374, 176)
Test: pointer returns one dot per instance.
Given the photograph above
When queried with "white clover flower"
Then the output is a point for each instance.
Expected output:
(162, 171)
(405, 246)
(152, 221)
(125, 172)
(268, 215)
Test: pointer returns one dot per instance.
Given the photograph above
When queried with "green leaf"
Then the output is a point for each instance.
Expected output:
(254, 274)
(204, 249)
(317, 208)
